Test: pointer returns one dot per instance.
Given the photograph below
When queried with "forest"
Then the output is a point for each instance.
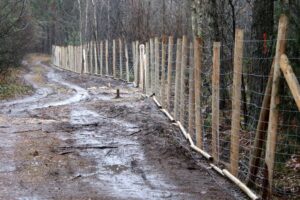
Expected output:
(36, 25)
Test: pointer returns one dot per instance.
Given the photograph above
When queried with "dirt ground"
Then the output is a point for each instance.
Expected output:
(72, 139)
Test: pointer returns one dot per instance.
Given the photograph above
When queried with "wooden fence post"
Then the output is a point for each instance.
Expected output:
(106, 58)
(236, 102)
(147, 68)
(121, 58)
(81, 64)
(88, 58)
(70, 57)
(84, 61)
(152, 68)
(67, 57)
(273, 117)
(198, 44)
(76, 59)
(260, 134)
(134, 62)
(290, 78)
(101, 58)
(127, 62)
(63, 56)
(156, 62)
(191, 92)
(177, 79)
(96, 71)
(79, 59)
(163, 72)
(142, 67)
(215, 100)
(170, 71)
(183, 77)
(114, 59)
(137, 57)
(91, 66)
(73, 57)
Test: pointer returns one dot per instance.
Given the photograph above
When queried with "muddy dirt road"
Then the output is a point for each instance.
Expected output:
(73, 140)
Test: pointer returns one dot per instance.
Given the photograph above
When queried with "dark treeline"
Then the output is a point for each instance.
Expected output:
(36, 25)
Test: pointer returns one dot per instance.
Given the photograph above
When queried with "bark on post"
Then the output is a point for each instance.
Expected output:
(273, 118)
(215, 100)
(170, 70)
(163, 72)
(183, 78)
(198, 44)
(191, 92)
(236, 102)
(177, 79)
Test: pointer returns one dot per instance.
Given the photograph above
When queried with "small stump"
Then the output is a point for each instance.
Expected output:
(118, 94)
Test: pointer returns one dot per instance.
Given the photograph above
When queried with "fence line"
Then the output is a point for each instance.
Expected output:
(222, 108)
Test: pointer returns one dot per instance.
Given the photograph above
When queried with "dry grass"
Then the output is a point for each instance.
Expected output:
(12, 84)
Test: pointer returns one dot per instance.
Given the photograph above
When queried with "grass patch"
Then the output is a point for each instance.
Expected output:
(12, 84)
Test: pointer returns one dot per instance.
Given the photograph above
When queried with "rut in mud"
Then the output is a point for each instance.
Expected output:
(74, 140)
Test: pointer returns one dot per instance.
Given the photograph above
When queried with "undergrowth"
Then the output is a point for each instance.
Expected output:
(12, 84)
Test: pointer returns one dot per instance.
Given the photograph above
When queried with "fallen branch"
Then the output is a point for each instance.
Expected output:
(135, 133)
(88, 147)
(27, 131)
(65, 153)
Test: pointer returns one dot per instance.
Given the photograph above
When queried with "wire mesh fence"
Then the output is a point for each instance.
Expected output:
(220, 96)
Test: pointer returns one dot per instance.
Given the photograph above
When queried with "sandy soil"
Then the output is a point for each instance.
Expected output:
(73, 139)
